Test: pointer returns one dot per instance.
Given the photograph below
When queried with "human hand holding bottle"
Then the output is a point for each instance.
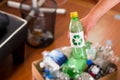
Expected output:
(96, 13)
(88, 24)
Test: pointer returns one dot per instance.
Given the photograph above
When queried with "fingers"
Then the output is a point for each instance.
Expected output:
(87, 23)
(85, 35)
(85, 32)
(84, 24)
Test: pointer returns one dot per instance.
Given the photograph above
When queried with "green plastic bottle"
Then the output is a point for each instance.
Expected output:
(76, 63)
(77, 37)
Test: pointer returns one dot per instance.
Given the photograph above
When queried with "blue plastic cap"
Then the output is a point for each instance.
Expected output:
(89, 62)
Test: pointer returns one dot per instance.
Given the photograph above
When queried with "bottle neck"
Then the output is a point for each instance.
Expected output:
(76, 18)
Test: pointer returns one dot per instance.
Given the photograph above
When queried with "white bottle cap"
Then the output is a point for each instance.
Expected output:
(42, 64)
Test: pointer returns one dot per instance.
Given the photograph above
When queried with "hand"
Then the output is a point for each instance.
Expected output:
(88, 23)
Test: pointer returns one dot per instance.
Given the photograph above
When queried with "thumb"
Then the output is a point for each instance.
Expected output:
(85, 35)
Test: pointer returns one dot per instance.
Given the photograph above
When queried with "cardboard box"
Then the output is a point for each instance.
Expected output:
(37, 72)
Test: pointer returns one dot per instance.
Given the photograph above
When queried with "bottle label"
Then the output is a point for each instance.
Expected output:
(52, 63)
(95, 70)
(77, 39)
(58, 57)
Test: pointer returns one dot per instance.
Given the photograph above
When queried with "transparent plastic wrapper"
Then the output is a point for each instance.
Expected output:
(53, 60)
(105, 57)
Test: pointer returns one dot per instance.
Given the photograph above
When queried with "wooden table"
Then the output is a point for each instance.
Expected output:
(108, 28)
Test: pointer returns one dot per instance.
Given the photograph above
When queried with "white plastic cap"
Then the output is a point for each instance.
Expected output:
(42, 64)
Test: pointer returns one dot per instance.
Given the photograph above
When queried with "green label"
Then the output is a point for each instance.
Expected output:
(77, 39)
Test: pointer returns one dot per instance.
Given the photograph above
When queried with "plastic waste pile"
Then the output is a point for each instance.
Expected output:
(59, 64)
(80, 61)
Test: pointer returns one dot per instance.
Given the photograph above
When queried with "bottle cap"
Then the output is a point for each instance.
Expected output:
(42, 64)
(89, 62)
(74, 14)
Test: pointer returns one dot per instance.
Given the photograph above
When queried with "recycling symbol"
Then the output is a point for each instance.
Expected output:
(77, 40)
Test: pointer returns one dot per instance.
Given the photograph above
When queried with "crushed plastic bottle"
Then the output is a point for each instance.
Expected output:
(94, 70)
(55, 75)
(55, 58)
(90, 51)
(111, 67)
(85, 76)
(74, 67)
